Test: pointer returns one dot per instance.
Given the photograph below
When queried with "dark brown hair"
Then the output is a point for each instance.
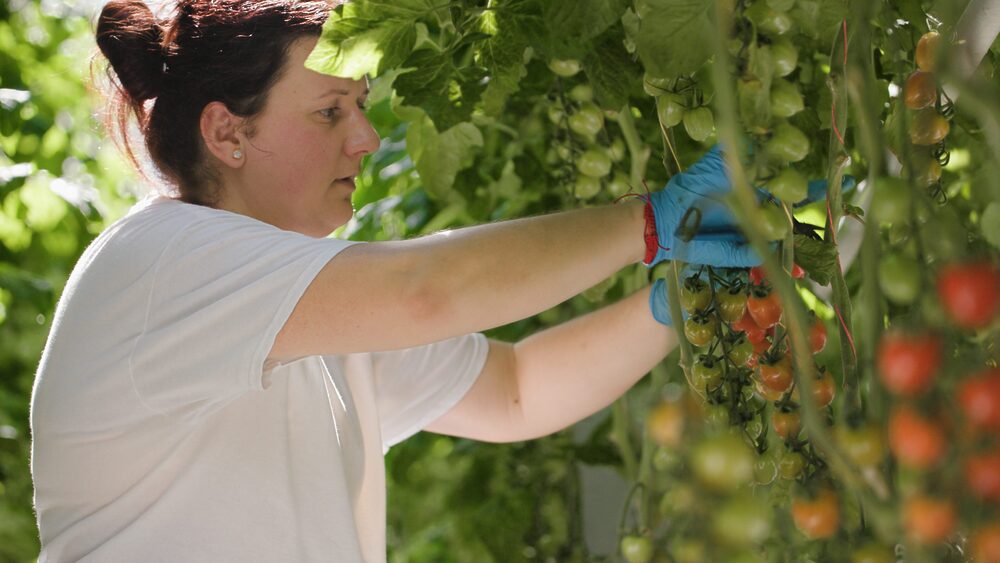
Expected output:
(164, 72)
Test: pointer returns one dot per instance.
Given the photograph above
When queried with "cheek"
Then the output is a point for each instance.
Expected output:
(301, 158)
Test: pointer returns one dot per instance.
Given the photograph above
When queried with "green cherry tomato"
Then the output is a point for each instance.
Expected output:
(707, 373)
(594, 163)
(655, 86)
(586, 187)
(555, 114)
(786, 100)
(769, 20)
(775, 222)
(731, 304)
(696, 295)
(788, 143)
(789, 185)
(899, 278)
(699, 123)
(781, 5)
(765, 470)
(582, 93)
(564, 67)
(740, 350)
(670, 109)
(873, 553)
(723, 462)
(619, 184)
(864, 445)
(587, 121)
(616, 150)
(891, 201)
(637, 549)
(791, 465)
(717, 415)
(743, 521)
(700, 330)
(784, 56)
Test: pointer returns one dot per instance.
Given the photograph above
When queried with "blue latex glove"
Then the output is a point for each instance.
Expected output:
(718, 241)
(658, 302)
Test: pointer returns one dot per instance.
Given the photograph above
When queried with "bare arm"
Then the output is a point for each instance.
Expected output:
(559, 376)
(389, 295)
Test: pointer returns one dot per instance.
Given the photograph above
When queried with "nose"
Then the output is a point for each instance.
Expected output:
(363, 140)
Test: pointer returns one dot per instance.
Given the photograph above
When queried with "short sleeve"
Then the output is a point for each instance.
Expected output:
(416, 386)
(222, 290)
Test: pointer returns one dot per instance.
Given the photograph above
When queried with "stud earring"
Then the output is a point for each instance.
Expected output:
(237, 154)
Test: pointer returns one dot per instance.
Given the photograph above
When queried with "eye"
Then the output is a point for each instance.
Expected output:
(329, 113)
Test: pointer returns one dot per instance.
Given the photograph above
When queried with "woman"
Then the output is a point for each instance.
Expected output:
(221, 380)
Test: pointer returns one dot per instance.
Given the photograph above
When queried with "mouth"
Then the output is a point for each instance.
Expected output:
(346, 181)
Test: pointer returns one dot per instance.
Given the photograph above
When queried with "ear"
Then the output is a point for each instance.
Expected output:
(220, 130)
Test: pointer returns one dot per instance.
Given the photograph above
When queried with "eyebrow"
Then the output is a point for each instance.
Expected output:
(343, 92)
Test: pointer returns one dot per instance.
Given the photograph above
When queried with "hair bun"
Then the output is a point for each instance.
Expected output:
(131, 38)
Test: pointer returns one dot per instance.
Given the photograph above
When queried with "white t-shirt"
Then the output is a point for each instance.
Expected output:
(160, 435)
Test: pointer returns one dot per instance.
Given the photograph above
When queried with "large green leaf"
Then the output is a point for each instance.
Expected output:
(674, 36)
(440, 156)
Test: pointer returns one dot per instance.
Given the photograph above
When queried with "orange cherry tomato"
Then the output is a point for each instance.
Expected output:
(920, 90)
(928, 519)
(819, 517)
(915, 440)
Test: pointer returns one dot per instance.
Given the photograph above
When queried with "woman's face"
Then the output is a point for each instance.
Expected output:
(304, 150)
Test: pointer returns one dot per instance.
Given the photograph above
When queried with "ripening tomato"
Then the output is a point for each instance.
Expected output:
(731, 304)
(928, 519)
(740, 349)
(764, 308)
(863, 445)
(979, 396)
(819, 517)
(786, 423)
(915, 440)
(824, 389)
(791, 464)
(706, 373)
(776, 373)
(637, 549)
(985, 543)
(700, 329)
(696, 295)
(982, 474)
(907, 363)
(928, 127)
(817, 335)
(722, 462)
(920, 90)
(665, 423)
(926, 51)
(970, 293)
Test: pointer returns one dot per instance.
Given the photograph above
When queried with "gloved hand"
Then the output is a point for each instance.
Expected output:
(718, 241)
(658, 302)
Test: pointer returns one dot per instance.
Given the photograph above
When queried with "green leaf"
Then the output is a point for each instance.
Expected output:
(817, 258)
(819, 19)
(440, 156)
(502, 55)
(27, 287)
(611, 71)
(447, 93)
(570, 24)
(674, 36)
(357, 46)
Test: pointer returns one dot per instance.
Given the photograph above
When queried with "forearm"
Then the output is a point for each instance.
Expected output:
(480, 277)
(572, 370)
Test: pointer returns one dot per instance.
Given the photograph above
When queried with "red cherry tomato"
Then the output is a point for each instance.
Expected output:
(786, 424)
(982, 474)
(916, 441)
(970, 293)
(985, 543)
(755, 334)
(817, 336)
(979, 396)
(776, 374)
(819, 517)
(757, 275)
(907, 363)
(928, 519)
(797, 272)
(765, 309)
